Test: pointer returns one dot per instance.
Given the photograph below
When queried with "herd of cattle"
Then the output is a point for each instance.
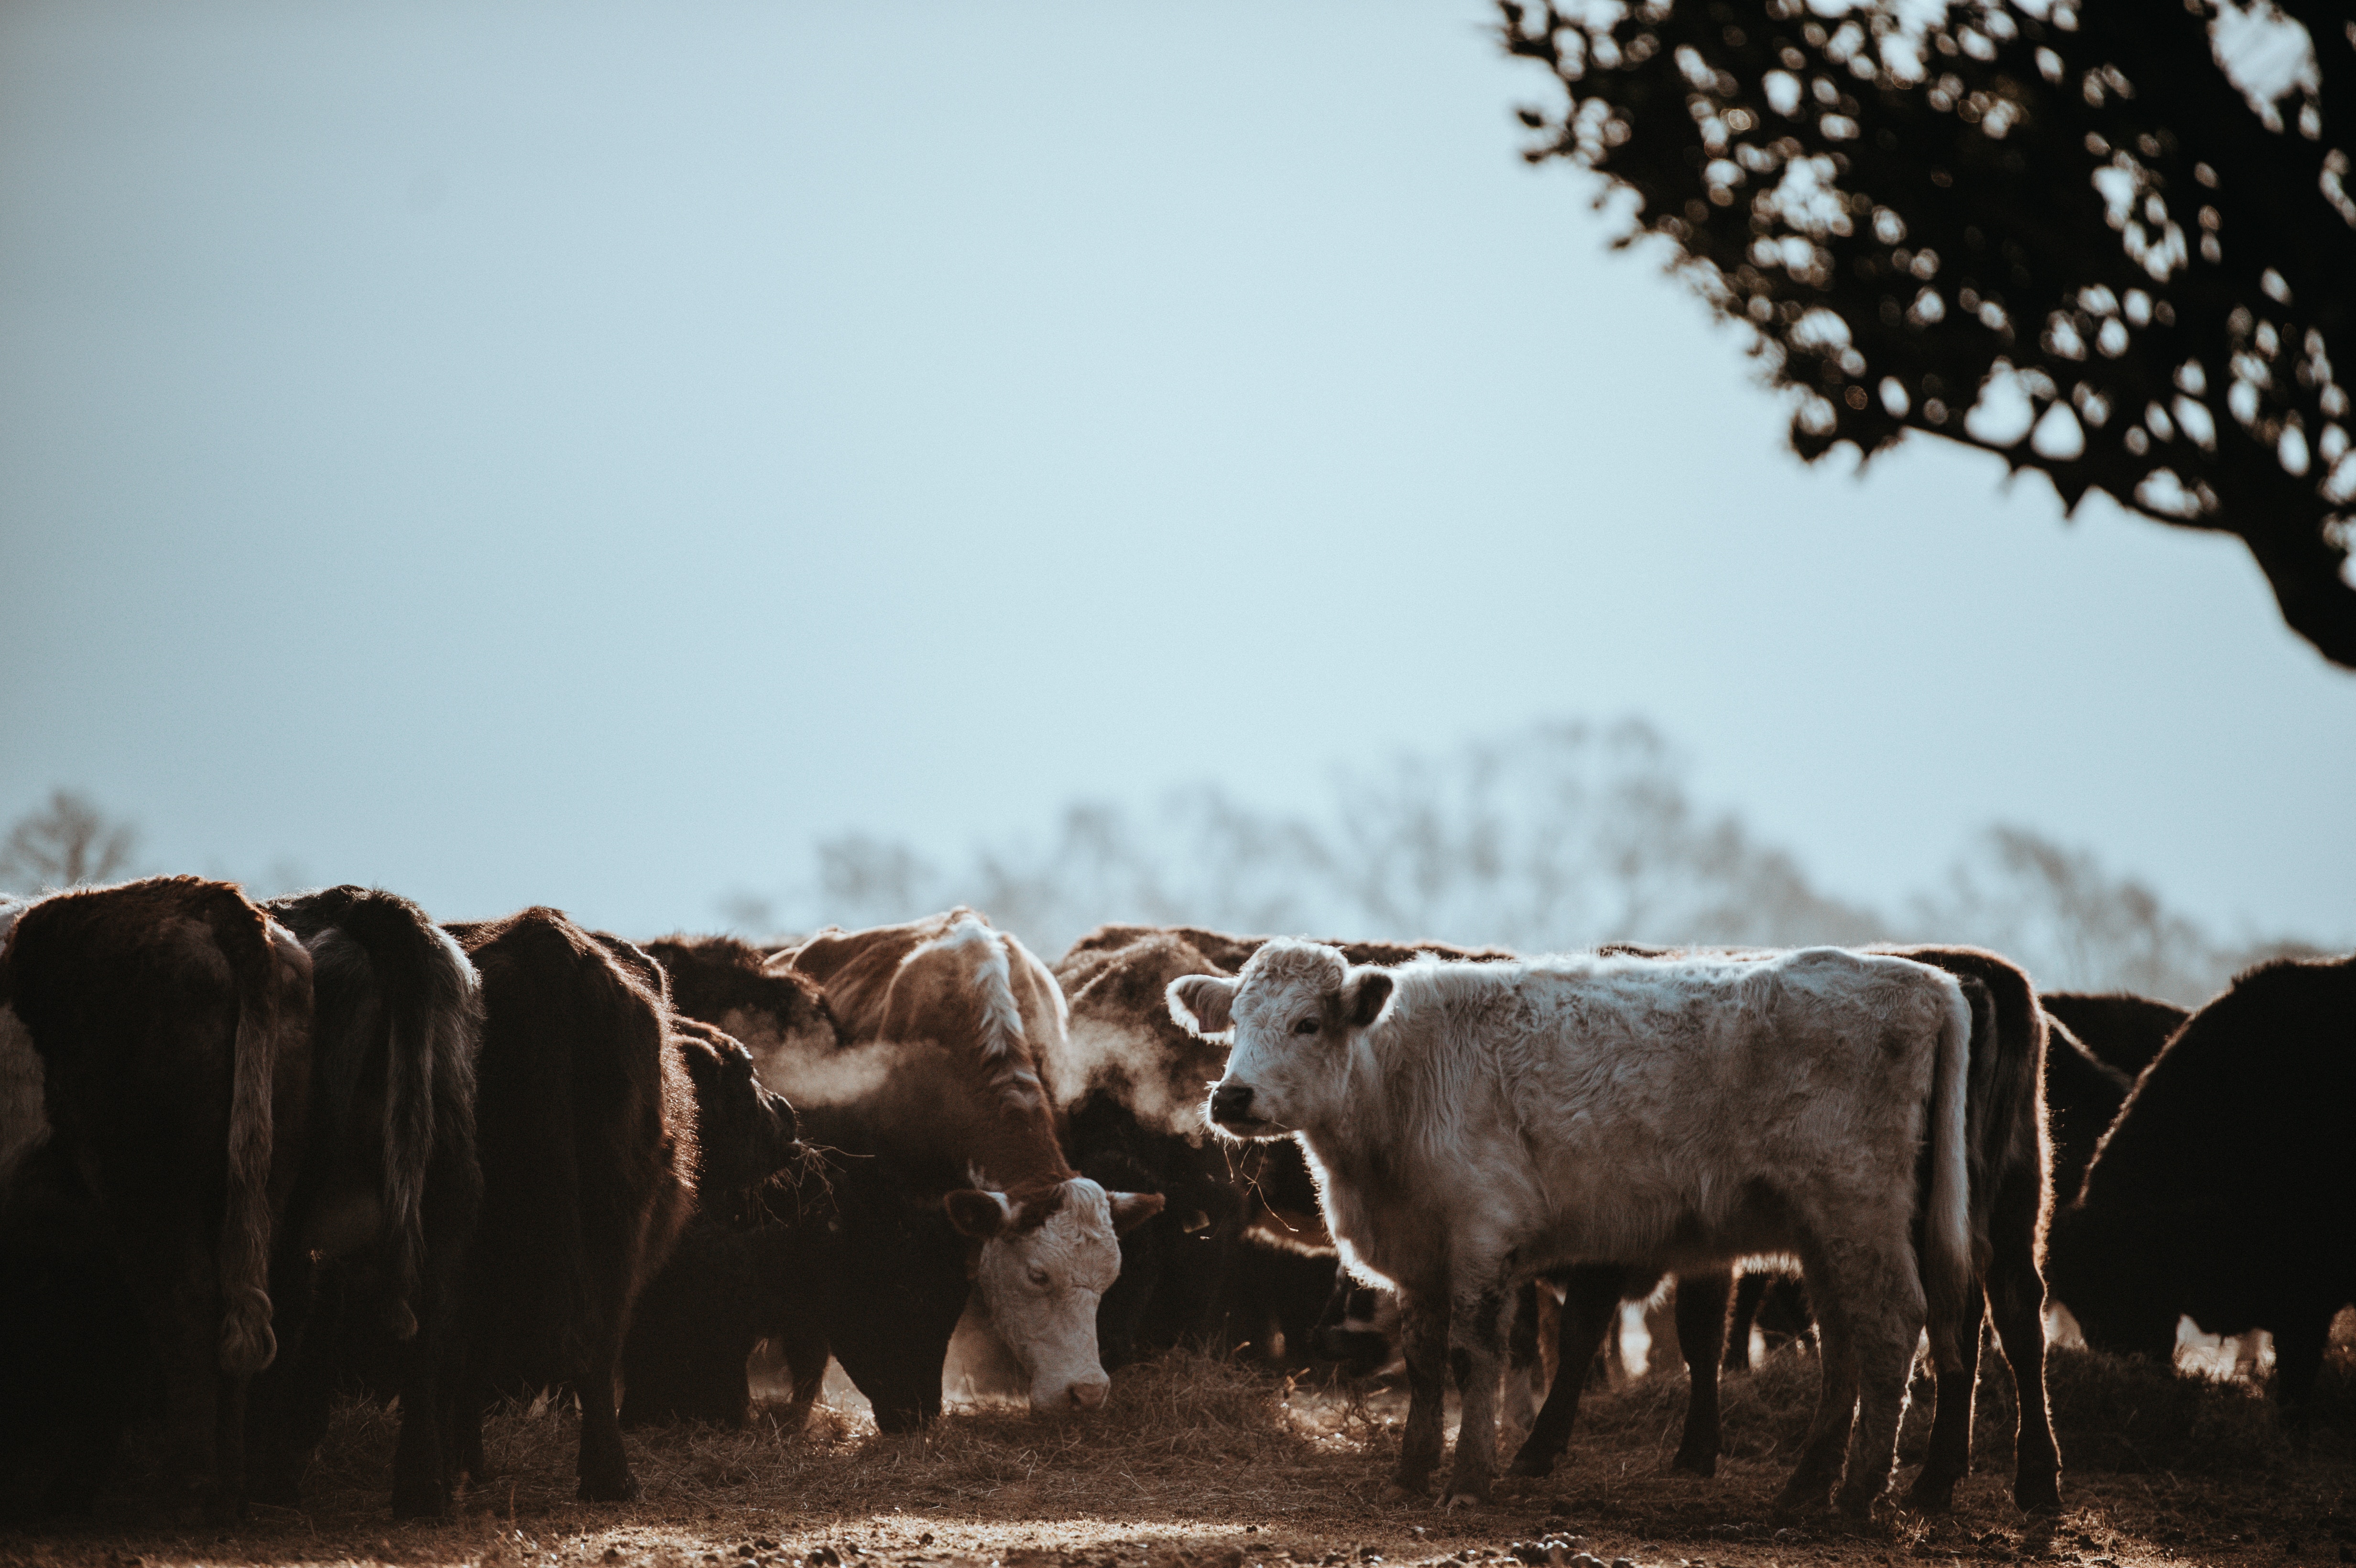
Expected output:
(253, 1155)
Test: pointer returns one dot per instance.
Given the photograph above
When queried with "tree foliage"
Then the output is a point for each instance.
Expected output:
(2057, 230)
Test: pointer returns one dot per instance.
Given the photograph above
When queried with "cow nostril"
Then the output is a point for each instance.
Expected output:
(1086, 1397)
(1231, 1101)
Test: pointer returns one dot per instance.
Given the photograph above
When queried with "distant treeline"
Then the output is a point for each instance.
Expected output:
(1561, 836)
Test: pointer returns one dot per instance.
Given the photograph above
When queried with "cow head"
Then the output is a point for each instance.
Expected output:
(1293, 1010)
(1047, 1258)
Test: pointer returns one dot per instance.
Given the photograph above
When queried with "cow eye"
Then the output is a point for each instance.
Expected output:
(1306, 1026)
(1039, 1277)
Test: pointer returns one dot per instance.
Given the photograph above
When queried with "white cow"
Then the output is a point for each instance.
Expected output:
(1471, 1125)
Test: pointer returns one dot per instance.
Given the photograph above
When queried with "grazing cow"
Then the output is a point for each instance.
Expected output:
(584, 1120)
(2082, 1096)
(2121, 1029)
(375, 1233)
(171, 1021)
(950, 1022)
(700, 1317)
(2222, 1189)
(1475, 1125)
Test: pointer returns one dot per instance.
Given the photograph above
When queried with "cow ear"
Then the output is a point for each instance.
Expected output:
(1364, 998)
(1130, 1209)
(978, 1212)
(1203, 1004)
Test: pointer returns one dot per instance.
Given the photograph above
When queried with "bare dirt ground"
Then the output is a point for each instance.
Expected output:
(1199, 1464)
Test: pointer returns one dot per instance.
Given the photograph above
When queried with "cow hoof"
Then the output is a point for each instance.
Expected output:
(1531, 1466)
(1798, 1498)
(1702, 1464)
(625, 1490)
(1398, 1491)
(2042, 1495)
(1857, 1505)
(1455, 1501)
(1932, 1495)
(420, 1503)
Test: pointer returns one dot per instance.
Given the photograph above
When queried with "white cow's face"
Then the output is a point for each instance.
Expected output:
(1293, 1010)
(1041, 1279)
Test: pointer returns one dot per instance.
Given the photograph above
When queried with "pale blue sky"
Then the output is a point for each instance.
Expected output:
(583, 453)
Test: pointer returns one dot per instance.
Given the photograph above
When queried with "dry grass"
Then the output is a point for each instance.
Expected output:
(1196, 1463)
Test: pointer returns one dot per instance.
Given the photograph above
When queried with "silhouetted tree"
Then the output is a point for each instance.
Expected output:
(66, 843)
(2057, 230)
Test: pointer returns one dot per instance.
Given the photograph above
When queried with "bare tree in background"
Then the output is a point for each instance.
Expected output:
(65, 844)
(2074, 925)
(2093, 237)
(1565, 836)
(1559, 837)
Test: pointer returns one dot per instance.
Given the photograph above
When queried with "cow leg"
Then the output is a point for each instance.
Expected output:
(1423, 1339)
(286, 1408)
(1701, 1333)
(1517, 1405)
(1590, 1303)
(604, 1465)
(2299, 1344)
(1950, 1459)
(1479, 1321)
(2015, 1295)
(803, 1347)
(1828, 1433)
(420, 1480)
(1885, 1333)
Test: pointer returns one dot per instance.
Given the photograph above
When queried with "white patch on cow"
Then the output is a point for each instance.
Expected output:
(993, 982)
(1041, 1287)
(23, 1115)
(1000, 1040)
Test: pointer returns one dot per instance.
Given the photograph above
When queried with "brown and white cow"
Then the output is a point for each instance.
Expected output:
(171, 1021)
(949, 1022)
(1474, 1124)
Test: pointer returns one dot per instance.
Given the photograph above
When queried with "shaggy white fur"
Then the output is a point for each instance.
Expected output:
(1471, 1125)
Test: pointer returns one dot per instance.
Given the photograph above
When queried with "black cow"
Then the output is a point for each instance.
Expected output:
(584, 1120)
(171, 1020)
(2121, 1029)
(863, 1265)
(2223, 1189)
(375, 1233)
(2082, 1096)
(722, 1291)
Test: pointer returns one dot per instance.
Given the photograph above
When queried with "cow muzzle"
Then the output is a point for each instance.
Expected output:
(1231, 1108)
(1082, 1393)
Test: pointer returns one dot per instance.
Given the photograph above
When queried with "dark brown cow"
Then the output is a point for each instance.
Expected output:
(376, 1231)
(2082, 1096)
(2223, 1189)
(585, 1118)
(951, 1023)
(171, 1021)
(699, 1319)
(2120, 1028)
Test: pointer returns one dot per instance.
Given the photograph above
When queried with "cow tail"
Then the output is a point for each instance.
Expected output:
(1947, 1273)
(431, 1041)
(272, 1015)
